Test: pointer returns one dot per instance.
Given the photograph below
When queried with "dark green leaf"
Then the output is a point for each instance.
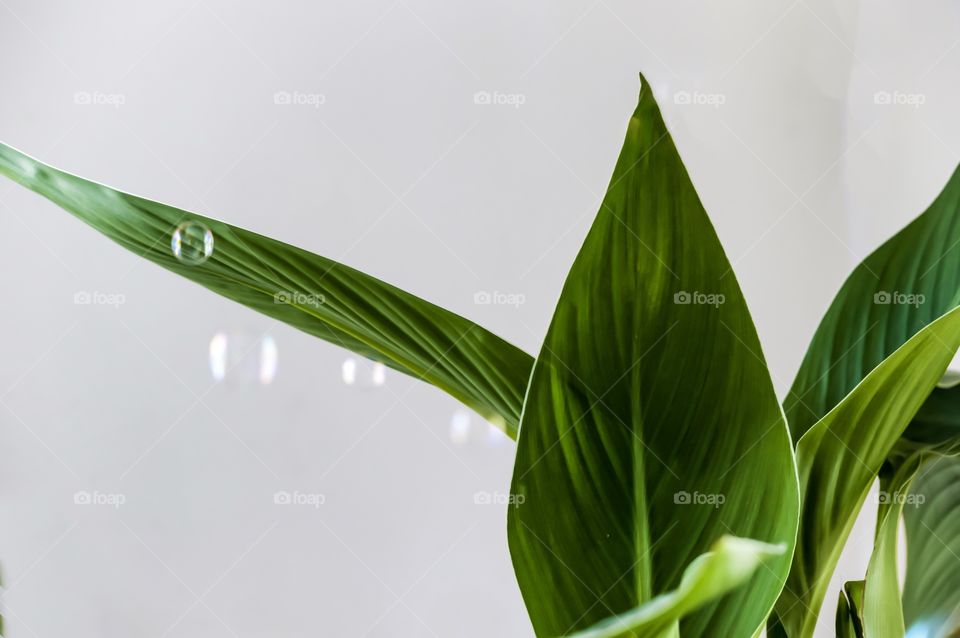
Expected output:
(931, 592)
(309, 292)
(902, 286)
(936, 427)
(651, 428)
(849, 623)
(840, 456)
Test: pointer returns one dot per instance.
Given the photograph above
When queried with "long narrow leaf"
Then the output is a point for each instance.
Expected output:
(312, 293)
(882, 610)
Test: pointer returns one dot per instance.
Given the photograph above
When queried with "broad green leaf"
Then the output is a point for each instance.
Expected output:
(882, 611)
(905, 284)
(730, 563)
(840, 457)
(931, 592)
(314, 294)
(651, 428)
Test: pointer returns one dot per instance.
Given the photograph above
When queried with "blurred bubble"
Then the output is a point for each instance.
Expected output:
(268, 360)
(241, 358)
(192, 243)
(460, 427)
(495, 436)
(363, 373)
(463, 431)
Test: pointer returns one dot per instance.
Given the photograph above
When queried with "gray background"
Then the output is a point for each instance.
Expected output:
(401, 174)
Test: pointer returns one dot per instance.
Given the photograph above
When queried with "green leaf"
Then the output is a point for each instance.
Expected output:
(840, 457)
(905, 284)
(844, 621)
(651, 428)
(931, 592)
(730, 563)
(849, 624)
(882, 611)
(936, 427)
(309, 292)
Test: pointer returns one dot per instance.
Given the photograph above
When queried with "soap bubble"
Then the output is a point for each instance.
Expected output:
(192, 243)
(242, 358)
(363, 373)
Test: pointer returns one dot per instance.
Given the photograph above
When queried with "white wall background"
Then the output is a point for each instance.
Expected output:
(400, 174)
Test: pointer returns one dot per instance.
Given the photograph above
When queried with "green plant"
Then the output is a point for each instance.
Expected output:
(666, 493)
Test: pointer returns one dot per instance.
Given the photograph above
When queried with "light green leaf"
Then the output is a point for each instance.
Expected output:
(729, 564)
(651, 428)
(882, 611)
(309, 292)
(905, 284)
(931, 592)
(840, 457)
